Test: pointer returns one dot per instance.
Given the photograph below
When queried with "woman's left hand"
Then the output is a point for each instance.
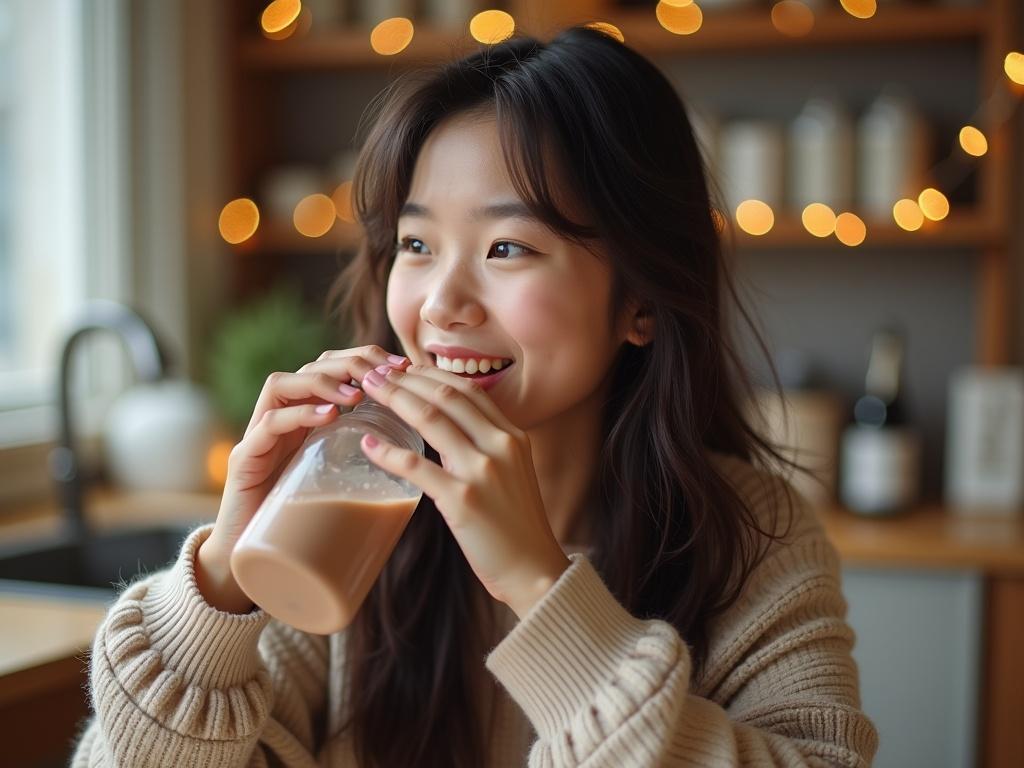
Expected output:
(486, 488)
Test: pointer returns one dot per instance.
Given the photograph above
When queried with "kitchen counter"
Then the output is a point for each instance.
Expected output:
(44, 640)
(40, 636)
(929, 536)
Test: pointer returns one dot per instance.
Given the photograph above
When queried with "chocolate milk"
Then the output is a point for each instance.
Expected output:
(317, 556)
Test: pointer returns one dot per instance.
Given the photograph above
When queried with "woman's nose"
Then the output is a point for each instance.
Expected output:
(452, 299)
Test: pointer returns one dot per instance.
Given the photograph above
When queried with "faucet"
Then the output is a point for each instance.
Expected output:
(150, 361)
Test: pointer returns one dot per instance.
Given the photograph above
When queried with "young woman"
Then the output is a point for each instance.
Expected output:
(603, 570)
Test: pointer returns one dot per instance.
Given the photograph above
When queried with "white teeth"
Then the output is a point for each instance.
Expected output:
(470, 365)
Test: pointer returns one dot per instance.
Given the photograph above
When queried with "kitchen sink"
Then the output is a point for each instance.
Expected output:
(91, 568)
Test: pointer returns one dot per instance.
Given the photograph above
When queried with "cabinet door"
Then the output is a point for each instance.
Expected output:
(919, 636)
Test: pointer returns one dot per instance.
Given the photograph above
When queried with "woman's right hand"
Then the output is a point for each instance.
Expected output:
(288, 408)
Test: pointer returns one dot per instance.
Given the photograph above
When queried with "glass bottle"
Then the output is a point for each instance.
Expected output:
(316, 545)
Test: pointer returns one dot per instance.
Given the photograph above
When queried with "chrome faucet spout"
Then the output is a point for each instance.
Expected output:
(151, 363)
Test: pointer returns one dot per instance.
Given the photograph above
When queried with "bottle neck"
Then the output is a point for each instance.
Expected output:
(373, 414)
(883, 377)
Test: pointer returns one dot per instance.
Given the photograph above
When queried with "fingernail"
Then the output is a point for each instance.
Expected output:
(396, 359)
(371, 441)
(382, 369)
(325, 408)
(345, 389)
(373, 378)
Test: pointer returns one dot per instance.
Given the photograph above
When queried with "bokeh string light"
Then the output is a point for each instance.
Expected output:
(860, 9)
(279, 15)
(755, 217)
(314, 215)
(679, 19)
(792, 18)
(819, 219)
(392, 36)
(491, 27)
(238, 220)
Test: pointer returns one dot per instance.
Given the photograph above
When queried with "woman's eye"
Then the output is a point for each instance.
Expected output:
(504, 248)
(411, 244)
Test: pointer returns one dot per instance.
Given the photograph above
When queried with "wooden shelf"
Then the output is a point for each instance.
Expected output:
(726, 31)
(963, 229)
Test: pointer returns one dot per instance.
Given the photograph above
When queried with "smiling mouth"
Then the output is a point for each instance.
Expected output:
(477, 375)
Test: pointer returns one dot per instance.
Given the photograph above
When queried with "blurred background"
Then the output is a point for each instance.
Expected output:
(175, 202)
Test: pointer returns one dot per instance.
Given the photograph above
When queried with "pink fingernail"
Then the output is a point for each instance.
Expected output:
(382, 369)
(396, 359)
(345, 389)
(371, 441)
(325, 408)
(373, 378)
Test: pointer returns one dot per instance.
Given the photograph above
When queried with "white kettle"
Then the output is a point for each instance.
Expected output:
(157, 437)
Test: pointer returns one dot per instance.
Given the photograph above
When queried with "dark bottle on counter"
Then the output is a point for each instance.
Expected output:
(881, 405)
(880, 466)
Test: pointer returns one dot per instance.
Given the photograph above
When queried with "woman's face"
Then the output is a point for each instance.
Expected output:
(499, 282)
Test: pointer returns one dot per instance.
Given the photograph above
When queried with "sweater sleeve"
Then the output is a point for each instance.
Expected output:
(604, 688)
(174, 681)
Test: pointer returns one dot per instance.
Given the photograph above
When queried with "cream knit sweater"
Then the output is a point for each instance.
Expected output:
(175, 682)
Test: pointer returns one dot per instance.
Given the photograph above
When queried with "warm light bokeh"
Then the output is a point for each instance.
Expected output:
(314, 215)
(755, 217)
(819, 219)
(973, 141)
(279, 14)
(238, 220)
(609, 29)
(1013, 65)
(217, 462)
(792, 18)
(391, 36)
(861, 9)
(850, 229)
(907, 214)
(933, 204)
(342, 198)
(490, 27)
(679, 20)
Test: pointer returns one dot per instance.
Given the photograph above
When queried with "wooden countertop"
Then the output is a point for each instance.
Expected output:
(43, 639)
(929, 536)
(43, 643)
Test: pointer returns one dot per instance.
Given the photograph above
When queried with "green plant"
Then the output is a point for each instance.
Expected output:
(276, 332)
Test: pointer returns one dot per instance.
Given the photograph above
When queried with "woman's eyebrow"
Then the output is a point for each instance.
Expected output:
(511, 209)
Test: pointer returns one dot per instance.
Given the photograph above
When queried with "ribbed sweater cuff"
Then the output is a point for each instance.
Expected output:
(566, 648)
(209, 647)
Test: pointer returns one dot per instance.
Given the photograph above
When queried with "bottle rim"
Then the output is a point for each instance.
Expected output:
(379, 415)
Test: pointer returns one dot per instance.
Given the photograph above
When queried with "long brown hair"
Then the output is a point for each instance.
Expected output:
(671, 538)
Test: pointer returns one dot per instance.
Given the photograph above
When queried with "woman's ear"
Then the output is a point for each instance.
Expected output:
(641, 324)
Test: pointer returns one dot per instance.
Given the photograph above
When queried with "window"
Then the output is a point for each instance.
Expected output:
(61, 199)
